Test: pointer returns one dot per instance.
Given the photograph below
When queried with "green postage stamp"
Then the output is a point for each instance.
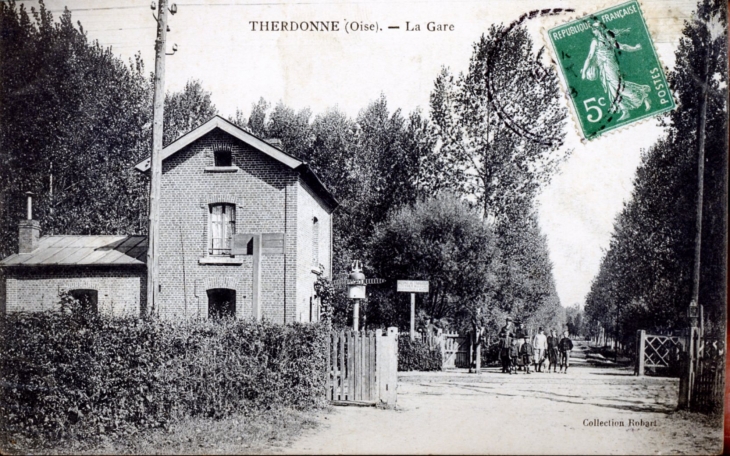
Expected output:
(611, 70)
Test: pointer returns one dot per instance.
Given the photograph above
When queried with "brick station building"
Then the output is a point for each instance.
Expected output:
(244, 230)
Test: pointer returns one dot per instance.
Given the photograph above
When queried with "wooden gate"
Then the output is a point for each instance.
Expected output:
(657, 351)
(362, 367)
(455, 351)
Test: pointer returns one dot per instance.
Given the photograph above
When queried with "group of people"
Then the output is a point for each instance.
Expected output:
(517, 351)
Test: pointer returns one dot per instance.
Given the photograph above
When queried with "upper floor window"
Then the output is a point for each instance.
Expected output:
(223, 158)
(222, 227)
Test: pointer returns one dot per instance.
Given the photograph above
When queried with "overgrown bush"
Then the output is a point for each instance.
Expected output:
(417, 356)
(75, 375)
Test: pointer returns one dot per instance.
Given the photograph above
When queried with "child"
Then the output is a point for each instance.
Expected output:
(527, 353)
(565, 346)
(513, 354)
(539, 343)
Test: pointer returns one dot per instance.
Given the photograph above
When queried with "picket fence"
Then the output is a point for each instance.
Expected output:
(362, 367)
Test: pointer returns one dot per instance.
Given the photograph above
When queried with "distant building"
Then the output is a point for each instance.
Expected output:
(244, 229)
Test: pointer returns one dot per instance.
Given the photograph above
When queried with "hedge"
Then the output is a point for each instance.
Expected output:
(417, 356)
(78, 375)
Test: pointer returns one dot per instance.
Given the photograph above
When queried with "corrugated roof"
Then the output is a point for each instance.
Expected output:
(83, 250)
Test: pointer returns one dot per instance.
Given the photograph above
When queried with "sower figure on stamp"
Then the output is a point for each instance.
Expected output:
(602, 63)
(565, 346)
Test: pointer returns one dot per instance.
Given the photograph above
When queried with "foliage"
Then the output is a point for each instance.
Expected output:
(446, 242)
(415, 355)
(74, 120)
(325, 291)
(574, 320)
(186, 110)
(500, 130)
(78, 375)
(500, 126)
(645, 280)
(527, 288)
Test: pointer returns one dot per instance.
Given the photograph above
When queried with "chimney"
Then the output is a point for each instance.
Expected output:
(29, 230)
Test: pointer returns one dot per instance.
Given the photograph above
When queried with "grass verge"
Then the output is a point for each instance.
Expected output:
(262, 432)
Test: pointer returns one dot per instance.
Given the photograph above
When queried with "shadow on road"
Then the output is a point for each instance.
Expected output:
(611, 402)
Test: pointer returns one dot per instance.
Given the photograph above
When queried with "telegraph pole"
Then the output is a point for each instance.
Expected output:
(153, 283)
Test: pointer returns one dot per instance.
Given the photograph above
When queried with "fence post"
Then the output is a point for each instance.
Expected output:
(641, 346)
(387, 366)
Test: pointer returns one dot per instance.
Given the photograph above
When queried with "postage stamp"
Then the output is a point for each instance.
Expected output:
(611, 69)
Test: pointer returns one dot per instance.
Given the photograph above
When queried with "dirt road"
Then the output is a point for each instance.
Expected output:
(589, 410)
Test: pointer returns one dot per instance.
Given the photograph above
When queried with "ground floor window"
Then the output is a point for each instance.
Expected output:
(221, 303)
(88, 299)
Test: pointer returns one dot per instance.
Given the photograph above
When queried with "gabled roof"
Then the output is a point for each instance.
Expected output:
(83, 251)
(218, 122)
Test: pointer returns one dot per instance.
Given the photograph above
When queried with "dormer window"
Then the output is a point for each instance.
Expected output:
(223, 158)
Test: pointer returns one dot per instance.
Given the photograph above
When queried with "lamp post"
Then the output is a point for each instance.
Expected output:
(356, 283)
(356, 290)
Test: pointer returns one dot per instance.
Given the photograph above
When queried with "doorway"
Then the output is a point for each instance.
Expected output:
(221, 303)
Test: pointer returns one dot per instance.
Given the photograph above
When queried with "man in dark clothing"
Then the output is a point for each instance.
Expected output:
(527, 352)
(552, 350)
(506, 334)
(565, 346)
(514, 353)
(504, 357)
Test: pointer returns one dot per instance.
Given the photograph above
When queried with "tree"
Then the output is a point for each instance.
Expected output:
(500, 126)
(526, 288)
(292, 128)
(645, 279)
(442, 240)
(186, 110)
(499, 131)
(74, 120)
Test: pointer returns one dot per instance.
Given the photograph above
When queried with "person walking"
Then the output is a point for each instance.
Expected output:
(565, 346)
(552, 350)
(527, 353)
(539, 344)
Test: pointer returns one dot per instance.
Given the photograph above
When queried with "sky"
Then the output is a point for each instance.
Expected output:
(319, 70)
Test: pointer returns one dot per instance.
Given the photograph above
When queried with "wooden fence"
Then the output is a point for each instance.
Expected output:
(669, 353)
(363, 367)
(655, 351)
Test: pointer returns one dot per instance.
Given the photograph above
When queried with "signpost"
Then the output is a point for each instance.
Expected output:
(413, 287)
(356, 283)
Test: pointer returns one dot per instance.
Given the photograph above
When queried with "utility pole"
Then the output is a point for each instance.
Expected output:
(153, 283)
(687, 381)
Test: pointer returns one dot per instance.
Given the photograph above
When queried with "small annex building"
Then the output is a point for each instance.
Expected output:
(244, 231)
